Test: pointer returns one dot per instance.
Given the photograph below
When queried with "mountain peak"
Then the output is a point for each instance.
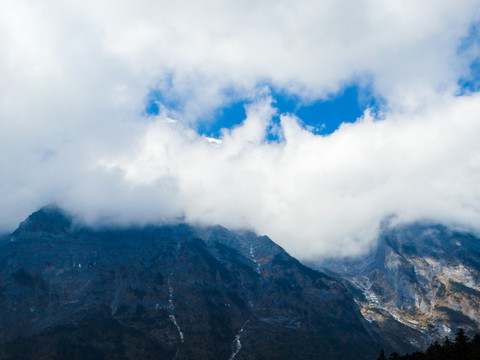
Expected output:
(49, 219)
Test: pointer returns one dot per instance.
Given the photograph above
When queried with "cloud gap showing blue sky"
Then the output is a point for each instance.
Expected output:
(321, 117)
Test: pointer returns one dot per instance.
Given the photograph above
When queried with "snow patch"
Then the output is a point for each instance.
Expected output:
(213, 141)
(254, 259)
(114, 304)
(171, 308)
(236, 344)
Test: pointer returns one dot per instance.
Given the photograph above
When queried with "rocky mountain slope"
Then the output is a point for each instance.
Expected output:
(420, 284)
(168, 292)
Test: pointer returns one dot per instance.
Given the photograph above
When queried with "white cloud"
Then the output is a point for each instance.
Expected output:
(317, 195)
(75, 76)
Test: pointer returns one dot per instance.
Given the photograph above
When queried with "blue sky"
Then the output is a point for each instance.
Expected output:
(322, 117)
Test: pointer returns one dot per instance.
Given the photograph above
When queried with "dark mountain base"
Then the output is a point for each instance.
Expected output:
(169, 292)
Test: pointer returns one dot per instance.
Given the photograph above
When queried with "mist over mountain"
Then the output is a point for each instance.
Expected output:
(310, 122)
(346, 131)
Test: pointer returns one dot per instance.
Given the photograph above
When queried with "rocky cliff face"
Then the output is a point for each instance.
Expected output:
(169, 292)
(419, 285)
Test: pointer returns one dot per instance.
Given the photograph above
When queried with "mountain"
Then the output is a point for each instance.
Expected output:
(171, 292)
(420, 284)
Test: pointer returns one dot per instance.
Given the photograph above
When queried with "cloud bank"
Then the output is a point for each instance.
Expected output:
(75, 78)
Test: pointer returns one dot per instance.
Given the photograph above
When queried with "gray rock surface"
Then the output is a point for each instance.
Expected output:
(419, 285)
(169, 292)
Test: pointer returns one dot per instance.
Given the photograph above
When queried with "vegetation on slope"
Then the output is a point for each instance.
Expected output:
(462, 348)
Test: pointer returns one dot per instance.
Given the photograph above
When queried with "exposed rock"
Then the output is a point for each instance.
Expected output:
(419, 285)
(170, 292)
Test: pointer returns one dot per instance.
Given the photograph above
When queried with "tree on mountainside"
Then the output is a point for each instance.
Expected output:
(461, 349)
(394, 356)
(381, 356)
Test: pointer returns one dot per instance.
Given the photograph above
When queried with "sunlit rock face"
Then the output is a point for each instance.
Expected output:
(73, 292)
(420, 284)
